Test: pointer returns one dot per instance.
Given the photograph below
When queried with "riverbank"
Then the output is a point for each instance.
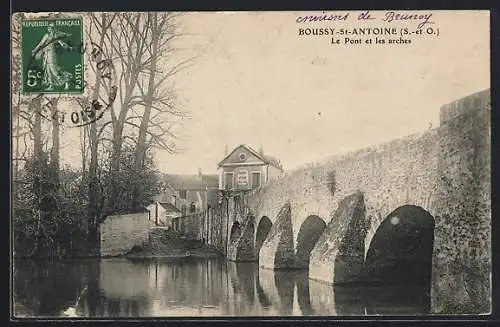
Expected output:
(162, 244)
(170, 244)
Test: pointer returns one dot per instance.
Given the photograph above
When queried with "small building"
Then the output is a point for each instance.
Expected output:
(162, 213)
(190, 193)
(246, 169)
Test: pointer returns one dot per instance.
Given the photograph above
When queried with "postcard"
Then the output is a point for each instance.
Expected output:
(250, 164)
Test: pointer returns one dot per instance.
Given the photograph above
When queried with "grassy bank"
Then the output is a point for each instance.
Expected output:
(170, 244)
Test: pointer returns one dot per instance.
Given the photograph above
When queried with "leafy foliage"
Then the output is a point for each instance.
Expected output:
(128, 177)
(58, 211)
(50, 218)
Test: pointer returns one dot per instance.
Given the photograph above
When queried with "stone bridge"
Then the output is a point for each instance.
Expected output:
(416, 209)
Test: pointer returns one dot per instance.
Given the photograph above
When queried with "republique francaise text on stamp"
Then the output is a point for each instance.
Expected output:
(52, 60)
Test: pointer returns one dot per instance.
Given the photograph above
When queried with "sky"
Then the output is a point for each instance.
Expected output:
(257, 82)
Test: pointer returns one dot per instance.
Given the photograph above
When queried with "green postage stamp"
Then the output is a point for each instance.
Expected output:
(52, 55)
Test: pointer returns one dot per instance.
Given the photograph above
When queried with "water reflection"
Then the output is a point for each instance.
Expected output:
(189, 287)
(278, 286)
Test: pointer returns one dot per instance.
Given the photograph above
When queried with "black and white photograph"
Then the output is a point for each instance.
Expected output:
(250, 164)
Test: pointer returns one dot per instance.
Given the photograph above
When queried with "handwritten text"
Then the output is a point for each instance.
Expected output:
(388, 16)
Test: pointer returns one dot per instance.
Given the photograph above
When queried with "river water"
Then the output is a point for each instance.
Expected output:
(188, 287)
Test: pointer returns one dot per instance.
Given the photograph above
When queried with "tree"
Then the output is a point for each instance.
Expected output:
(125, 180)
(117, 172)
(157, 98)
(137, 43)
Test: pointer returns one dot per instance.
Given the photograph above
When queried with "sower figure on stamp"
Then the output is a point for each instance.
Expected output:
(53, 74)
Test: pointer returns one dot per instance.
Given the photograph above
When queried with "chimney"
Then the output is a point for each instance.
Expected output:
(261, 150)
(225, 150)
(199, 173)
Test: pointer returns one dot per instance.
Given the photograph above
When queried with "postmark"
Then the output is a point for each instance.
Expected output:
(83, 111)
(64, 76)
(52, 60)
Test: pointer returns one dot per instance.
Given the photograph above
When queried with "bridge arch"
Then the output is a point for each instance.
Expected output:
(263, 229)
(235, 232)
(309, 233)
(400, 251)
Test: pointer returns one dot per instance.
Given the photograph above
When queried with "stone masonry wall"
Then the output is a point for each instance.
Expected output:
(277, 250)
(208, 226)
(216, 225)
(462, 248)
(192, 225)
(339, 253)
(118, 234)
(242, 249)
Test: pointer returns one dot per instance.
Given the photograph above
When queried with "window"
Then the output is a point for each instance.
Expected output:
(183, 194)
(228, 182)
(192, 208)
(255, 179)
(183, 210)
(243, 156)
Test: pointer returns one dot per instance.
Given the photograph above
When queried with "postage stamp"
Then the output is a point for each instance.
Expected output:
(52, 56)
(59, 72)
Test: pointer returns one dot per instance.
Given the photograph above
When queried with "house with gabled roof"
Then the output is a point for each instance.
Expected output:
(245, 169)
(162, 213)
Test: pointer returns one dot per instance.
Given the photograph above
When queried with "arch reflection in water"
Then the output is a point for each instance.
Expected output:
(396, 300)
(303, 292)
(241, 289)
(379, 300)
(287, 291)
(322, 299)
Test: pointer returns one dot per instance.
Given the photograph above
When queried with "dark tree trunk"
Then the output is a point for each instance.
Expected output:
(141, 149)
(93, 186)
(115, 163)
(37, 128)
(54, 151)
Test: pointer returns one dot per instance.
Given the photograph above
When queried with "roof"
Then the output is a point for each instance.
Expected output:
(137, 210)
(267, 159)
(169, 207)
(140, 209)
(273, 161)
(191, 182)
